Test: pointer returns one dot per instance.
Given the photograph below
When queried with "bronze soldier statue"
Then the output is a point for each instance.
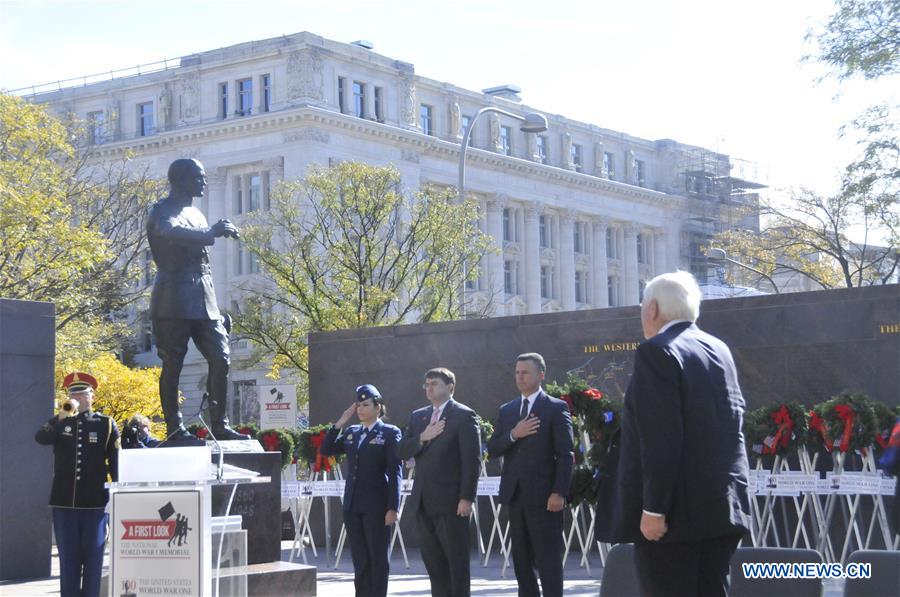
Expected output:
(183, 303)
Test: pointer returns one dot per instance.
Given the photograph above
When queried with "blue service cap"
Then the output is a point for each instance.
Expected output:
(366, 391)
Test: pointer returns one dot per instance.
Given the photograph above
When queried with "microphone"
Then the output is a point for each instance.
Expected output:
(220, 468)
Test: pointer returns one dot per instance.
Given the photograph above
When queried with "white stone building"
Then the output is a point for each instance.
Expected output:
(582, 215)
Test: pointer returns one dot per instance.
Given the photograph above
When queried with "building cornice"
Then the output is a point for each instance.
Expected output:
(310, 116)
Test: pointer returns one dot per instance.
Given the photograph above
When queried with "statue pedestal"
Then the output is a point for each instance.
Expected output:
(259, 505)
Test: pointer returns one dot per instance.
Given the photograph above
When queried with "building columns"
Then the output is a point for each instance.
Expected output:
(533, 257)
(601, 272)
(630, 259)
(659, 253)
(494, 273)
(567, 260)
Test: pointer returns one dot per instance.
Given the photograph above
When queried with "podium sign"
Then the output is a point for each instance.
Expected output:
(157, 543)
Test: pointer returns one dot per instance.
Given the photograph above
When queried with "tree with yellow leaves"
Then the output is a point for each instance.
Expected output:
(122, 391)
(71, 227)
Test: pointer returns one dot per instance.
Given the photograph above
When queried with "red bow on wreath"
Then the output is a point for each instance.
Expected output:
(882, 439)
(593, 393)
(782, 418)
(322, 462)
(270, 443)
(846, 413)
(817, 423)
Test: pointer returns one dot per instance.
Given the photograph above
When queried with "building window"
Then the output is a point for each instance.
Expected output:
(576, 158)
(148, 267)
(342, 91)
(613, 292)
(245, 97)
(579, 234)
(425, 119)
(359, 99)
(253, 264)
(97, 127)
(509, 277)
(541, 141)
(239, 259)
(471, 284)
(238, 195)
(146, 331)
(505, 142)
(642, 248)
(641, 286)
(609, 165)
(145, 119)
(509, 225)
(580, 287)
(611, 244)
(545, 282)
(254, 192)
(544, 228)
(379, 104)
(639, 172)
(266, 84)
(464, 123)
(223, 100)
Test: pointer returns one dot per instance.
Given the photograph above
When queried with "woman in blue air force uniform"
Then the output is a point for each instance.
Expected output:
(372, 489)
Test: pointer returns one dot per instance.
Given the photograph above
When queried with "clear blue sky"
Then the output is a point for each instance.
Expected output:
(724, 74)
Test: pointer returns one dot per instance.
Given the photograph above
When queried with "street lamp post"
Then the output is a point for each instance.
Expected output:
(717, 255)
(531, 123)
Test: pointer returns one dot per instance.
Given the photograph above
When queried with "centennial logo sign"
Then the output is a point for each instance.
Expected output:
(278, 407)
(156, 543)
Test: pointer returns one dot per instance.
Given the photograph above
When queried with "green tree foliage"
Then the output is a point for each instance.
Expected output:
(347, 248)
(71, 227)
(861, 39)
(808, 234)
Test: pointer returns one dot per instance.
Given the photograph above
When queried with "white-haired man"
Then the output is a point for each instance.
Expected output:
(682, 471)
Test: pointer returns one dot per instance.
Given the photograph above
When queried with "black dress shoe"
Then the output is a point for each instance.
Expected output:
(227, 433)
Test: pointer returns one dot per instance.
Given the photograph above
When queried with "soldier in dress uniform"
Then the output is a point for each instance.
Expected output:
(86, 454)
(372, 489)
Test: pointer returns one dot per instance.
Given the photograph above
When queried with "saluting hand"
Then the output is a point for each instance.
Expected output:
(527, 426)
(346, 416)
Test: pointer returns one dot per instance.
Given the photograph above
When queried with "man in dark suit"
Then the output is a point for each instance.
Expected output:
(443, 438)
(534, 436)
(681, 485)
(372, 487)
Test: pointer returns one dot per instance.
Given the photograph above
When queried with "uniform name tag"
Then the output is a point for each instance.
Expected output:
(92, 437)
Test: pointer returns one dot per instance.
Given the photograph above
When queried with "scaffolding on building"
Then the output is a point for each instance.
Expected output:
(723, 194)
